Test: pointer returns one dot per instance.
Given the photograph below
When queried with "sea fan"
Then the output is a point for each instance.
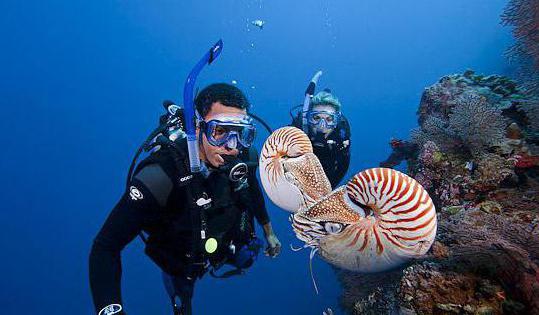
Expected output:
(477, 124)
(437, 130)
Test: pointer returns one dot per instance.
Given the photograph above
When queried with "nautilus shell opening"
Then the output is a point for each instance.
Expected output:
(380, 219)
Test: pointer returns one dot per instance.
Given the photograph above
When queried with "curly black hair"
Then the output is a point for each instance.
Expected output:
(226, 94)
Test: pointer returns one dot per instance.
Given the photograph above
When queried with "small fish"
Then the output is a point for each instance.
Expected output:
(258, 23)
(234, 82)
(469, 166)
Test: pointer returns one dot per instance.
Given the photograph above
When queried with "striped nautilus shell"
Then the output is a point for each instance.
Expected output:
(380, 219)
(290, 173)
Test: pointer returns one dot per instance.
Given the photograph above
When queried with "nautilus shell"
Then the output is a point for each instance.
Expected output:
(290, 173)
(380, 219)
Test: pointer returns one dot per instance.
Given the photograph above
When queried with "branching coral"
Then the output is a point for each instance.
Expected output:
(435, 129)
(476, 123)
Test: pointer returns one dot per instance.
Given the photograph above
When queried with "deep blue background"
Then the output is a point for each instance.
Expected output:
(81, 84)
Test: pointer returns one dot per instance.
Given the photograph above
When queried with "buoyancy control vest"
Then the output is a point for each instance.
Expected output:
(199, 210)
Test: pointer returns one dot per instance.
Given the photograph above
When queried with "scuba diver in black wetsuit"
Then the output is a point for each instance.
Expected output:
(322, 120)
(195, 218)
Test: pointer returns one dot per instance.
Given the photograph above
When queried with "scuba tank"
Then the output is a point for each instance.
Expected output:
(171, 127)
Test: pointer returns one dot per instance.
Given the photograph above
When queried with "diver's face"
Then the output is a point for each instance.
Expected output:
(327, 115)
(212, 154)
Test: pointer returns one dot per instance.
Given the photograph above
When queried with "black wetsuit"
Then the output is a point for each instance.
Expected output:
(156, 203)
(334, 151)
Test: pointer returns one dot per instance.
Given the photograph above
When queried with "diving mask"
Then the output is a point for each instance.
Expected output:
(323, 119)
(232, 131)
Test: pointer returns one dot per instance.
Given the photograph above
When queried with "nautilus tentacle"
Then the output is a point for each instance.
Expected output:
(290, 173)
(379, 220)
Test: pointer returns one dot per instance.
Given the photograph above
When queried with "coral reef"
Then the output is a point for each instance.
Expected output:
(429, 288)
(473, 138)
(499, 242)
(476, 123)
(485, 262)
(475, 151)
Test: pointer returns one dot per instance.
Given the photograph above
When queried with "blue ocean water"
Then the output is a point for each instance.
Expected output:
(81, 86)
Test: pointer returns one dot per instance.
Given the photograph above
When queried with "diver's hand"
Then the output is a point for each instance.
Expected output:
(274, 245)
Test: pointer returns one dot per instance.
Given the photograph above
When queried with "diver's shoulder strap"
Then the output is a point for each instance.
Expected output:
(157, 181)
(163, 170)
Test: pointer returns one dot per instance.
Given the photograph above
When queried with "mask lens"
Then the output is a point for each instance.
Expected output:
(220, 133)
(247, 136)
(328, 119)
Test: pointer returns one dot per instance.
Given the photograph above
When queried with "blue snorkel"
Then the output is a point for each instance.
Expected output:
(189, 106)
(307, 101)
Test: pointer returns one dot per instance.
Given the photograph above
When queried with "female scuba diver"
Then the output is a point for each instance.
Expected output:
(328, 129)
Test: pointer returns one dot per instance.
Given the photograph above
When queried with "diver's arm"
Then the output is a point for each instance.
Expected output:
(137, 206)
(259, 211)
(262, 217)
(259, 206)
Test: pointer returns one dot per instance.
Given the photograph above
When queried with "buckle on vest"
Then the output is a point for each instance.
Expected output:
(203, 202)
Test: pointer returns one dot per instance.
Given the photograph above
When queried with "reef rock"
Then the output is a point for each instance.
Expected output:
(486, 261)
(472, 138)
(427, 288)
(476, 153)
(500, 243)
